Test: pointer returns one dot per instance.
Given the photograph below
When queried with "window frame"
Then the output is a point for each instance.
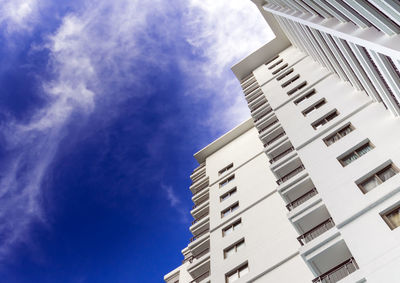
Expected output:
(234, 246)
(317, 123)
(225, 169)
(313, 107)
(375, 174)
(234, 224)
(296, 88)
(228, 194)
(226, 181)
(355, 151)
(337, 132)
(284, 75)
(237, 271)
(232, 208)
(385, 217)
(305, 96)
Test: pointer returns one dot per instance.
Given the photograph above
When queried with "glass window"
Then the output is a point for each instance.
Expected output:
(234, 248)
(229, 210)
(338, 135)
(238, 273)
(392, 218)
(228, 194)
(355, 154)
(305, 96)
(226, 181)
(225, 169)
(232, 227)
(378, 178)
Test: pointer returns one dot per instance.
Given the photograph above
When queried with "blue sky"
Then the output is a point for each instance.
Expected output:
(103, 104)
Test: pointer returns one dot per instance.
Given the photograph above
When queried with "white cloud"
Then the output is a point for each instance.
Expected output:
(18, 15)
(223, 32)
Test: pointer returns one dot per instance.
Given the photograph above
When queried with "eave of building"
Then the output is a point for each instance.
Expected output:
(223, 140)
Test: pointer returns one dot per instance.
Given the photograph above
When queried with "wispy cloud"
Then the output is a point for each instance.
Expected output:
(175, 202)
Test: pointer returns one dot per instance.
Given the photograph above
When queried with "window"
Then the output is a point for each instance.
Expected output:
(232, 227)
(338, 134)
(234, 248)
(291, 80)
(226, 181)
(296, 88)
(229, 210)
(313, 107)
(237, 273)
(280, 69)
(325, 119)
(275, 64)
(284, 75)
(305, 96)
(225, 169)
(228, 194)
(271, 60)
(377, 178)
(355, 154)
(392, 217)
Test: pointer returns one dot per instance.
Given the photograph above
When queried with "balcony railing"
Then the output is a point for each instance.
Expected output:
(202, 188)
(267, 126)
(257, 95)
(194, 238)
(281, 155)
(259, 106)
(290, 175)
(200, 203)
(199, 177)
(201, 277)
(275, 139)
(316, 231)
(262, 116)
(338, 273)
(199, 255)
(302, 199)
(199, 218)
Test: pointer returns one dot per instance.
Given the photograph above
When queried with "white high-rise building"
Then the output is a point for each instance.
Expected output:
(322, 141)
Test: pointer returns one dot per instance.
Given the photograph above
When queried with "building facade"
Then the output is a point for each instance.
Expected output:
(324, 99)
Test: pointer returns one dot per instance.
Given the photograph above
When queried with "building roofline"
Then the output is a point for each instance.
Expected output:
(280, 42)
(216, 145)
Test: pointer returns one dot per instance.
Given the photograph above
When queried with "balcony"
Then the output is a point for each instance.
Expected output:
(201, 277)
(302, 199)
(338, 272)
(281, 155)
(274, 139)
(250, 89)
(258, 104)
(264, 109)
(255, 95)
(316, 231)
(290, 175)
(198, 218)
(260, 119)
(198, 255)
(200, 201)
(199, 185)
(194, 238)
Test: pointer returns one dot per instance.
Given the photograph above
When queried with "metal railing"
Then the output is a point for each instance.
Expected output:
(290, 174)
(275, 139)
(316, 231)
(302, 199)
(199, 177)
(201, 277)
(201, 188)
(281, 155)
(200, 203)
(262, 116)
(338, 272)
(199, 255)
(194, 238)
(267, 126)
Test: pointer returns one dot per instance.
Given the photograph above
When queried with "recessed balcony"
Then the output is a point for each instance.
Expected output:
(199, 269)
(337, 273)
(286, 165)
(255, 95)
(198, 235)
(268, 126)
(250, 88)
(256, 103)
(200, 200)
(281, 155)
(302, 199)
(264, 109)
(199, 185)
(316, 231)
(202, 278)
(262, 118)
(200, 212)
(290, 175)
(245, 84)
(273, 137)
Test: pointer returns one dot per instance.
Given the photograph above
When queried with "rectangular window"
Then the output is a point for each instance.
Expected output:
(325, 119)
(392, 217)
(232, 227)
(229, 210)
(332, 138)
(305, 96)
(285, 74)
(228, 194)
(291, 80)
(313, 107)
(234, 248)
(296, 88)
(271, 60)
(237, 273)
(280, 69)
(227, 181)
(225, 169)
(355, 154)
(275, 64)
(377, 178)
